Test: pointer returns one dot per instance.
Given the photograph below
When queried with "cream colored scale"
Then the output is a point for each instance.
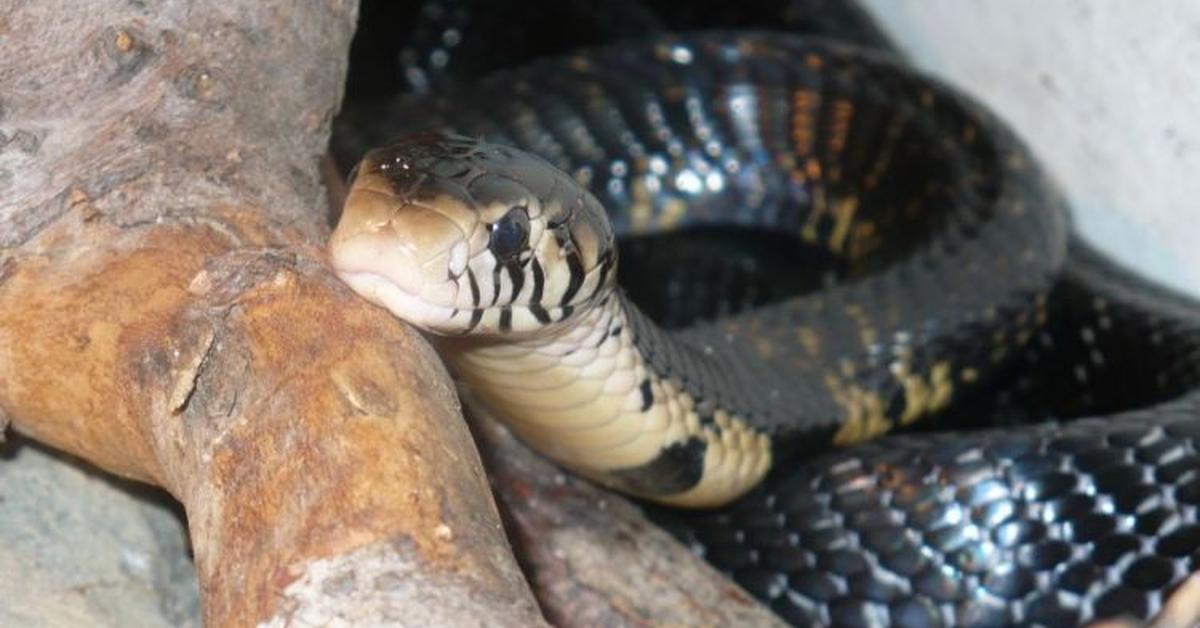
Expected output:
(575, 396)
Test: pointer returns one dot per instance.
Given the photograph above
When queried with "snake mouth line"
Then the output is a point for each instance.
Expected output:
(383, 291)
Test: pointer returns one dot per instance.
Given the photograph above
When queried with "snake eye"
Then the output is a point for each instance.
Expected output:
(510, 234)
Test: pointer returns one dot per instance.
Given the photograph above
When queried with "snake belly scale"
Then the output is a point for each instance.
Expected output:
(494, 227)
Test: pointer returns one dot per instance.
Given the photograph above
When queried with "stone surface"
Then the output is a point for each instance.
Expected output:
(80, 548)
(1105, 94)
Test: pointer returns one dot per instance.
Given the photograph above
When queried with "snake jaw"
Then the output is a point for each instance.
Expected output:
(386, 293)
(388, 276)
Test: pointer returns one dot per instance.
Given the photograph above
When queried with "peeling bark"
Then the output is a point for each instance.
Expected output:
(166, 314)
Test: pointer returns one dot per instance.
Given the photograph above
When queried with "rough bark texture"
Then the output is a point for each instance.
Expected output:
(166, 314)
(593, 558)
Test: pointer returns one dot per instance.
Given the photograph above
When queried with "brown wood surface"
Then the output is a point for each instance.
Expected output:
(166, 313)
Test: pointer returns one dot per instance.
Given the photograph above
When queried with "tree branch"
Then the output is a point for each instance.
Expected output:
(166, 313)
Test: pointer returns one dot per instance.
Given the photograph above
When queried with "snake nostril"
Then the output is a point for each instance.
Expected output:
(353, 174)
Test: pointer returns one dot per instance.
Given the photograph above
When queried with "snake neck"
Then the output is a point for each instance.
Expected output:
(588, 396)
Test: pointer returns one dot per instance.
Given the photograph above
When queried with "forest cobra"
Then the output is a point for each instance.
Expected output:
(494, 226)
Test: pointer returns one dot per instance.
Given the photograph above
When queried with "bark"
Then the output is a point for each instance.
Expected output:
(166, 314)
(591, 556)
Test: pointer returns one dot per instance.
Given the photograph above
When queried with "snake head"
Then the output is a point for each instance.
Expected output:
(460, 236)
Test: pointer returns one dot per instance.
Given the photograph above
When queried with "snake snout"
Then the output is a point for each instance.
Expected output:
(402, 255)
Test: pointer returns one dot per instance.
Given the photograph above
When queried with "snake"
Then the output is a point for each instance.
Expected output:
(492, 219)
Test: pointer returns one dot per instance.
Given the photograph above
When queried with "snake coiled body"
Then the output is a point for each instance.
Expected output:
(1050, 524)
(948, 246)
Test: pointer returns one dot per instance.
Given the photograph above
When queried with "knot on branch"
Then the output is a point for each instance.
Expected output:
(235, 276)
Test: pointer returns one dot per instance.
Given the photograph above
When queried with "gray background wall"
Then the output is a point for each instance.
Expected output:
(1108, 95)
